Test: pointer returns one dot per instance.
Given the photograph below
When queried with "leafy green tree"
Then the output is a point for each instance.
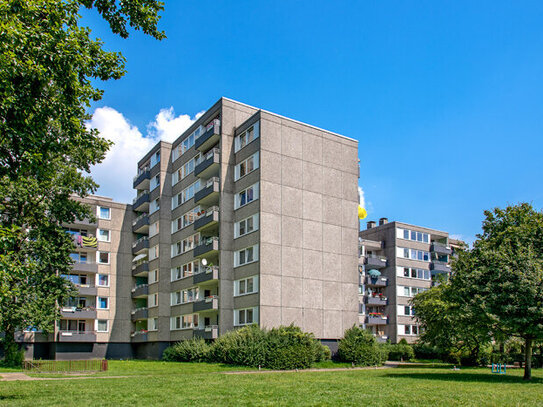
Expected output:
(501, 279)
(48, 63)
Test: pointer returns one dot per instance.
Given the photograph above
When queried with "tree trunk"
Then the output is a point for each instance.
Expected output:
(528, 359)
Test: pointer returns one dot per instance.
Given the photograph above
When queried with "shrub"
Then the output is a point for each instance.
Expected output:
(322, 352)
(291, 348)
(424, 351)
(401, 352)
(360, 347)
(192, 350)
(246, 346)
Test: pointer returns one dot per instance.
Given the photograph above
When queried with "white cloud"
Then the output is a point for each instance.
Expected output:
(361, 199)
(115, 173)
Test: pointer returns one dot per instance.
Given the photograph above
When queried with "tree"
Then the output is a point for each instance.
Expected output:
(501, 279)
(449, 324)
(48, 63)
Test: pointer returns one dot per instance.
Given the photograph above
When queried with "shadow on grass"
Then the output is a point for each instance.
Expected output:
(466, 377)
(424, 366)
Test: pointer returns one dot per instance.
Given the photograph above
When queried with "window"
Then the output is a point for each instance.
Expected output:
(413, 254)
(104, 213)
(154, 206)
(412, 272)
(246, 256)
(246, 226)
(413, 235)
(246, 196)
(103, 257)
(246, 316)
(77, 279)
(185, 220)
(185, 245)
(155, 182)
(152, 324)
(103, 235)
(153, 276)
(153, 253)
(155, 159)
(154, 228)
(186, 270)
(102, 280)
(407, 310)
(152, 300)
(246, 166)
(80, 258)
(252, 133)
(410, 291)
(185, 195)
(184, 296)
(409, 329)
(184, 321)
(101, 325)
(103, 303)
(246, 286)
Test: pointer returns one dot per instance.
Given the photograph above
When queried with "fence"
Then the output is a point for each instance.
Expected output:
(42, 366)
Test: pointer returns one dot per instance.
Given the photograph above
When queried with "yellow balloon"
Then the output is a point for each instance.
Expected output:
(361, 212)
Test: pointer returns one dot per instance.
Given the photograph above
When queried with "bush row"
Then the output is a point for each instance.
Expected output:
(286, 347)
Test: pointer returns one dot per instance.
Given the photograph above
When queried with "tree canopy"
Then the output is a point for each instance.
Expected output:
(48, 64)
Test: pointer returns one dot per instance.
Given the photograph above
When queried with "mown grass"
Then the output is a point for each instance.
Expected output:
(171, 384)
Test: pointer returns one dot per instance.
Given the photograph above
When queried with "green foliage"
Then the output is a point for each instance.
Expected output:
(360, 347)
(246, 346)
(400, 352)
(14, 355)
(49, 64)
(290, 348)
(192, 350)
(425, 351)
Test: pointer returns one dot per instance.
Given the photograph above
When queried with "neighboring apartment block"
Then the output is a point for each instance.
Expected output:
(248, 217)
(397, 261)
(96, 323)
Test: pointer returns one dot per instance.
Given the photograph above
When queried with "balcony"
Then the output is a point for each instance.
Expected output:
(85, 243)
(209, 194)
(141, 224)
(375, 262)
(209, 332)
(209, 165)
(140, 245)
(207, 304)
(209, 138)
(440, 266)
(78, 313)
(141, 269)
(141, 202)
(376, 320)
(208, 246)
(141, 181)
(76, 336)
(86, 267)
(209, 274)
(139, 336)
(140, 313)
(140, 291)
(382, 338)
(210, 219)
(376, 281)
(376, 300)
(440, 249)
(87, 290)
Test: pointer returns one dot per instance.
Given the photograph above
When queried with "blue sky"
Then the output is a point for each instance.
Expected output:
(445, 97)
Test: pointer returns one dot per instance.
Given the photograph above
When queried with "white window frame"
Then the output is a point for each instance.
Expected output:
(237, 255)
(256, 164)
(154, 252)
(255, 316)
(194, 265)
(155, 274)
(244, 281)
(154, 206)
(154, 182)
(98, 257)
(97, 282)
(237, 226)
(181, 243)
(256, 194)
(256, 134)
(98, 208)
(152, 324)
(98, 324)
(99, 236)
(154, 228)
(98, 302)
(154, 302)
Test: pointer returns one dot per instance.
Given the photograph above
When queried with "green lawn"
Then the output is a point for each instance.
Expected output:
(172, 384)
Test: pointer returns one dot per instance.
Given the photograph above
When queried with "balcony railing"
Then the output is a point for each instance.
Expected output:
(140, 268)
(141, 201)
(88, 312)
(374, 319)
(140, 313)
(139, 336)
(140, 290)
(208, 165)
(206, 304)
(208, 192)
(377, 281)
(207, 245)
(140, 245)
(208, 139)
(207, 274)
(207, 332)
(376, 300)
(76, 336)
(440, 248)
(440, 266)
(86, 266)
(376, 262)
(209, 218)
(86, 289)
(143, 175)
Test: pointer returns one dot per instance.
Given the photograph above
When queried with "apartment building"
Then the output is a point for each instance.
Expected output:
(398, 261)
(96, 323)
(248, 217)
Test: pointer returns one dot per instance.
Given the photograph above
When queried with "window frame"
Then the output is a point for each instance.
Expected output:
(98, 212)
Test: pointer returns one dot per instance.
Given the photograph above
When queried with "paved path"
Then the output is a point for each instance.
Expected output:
(387, 365)
(10, 377)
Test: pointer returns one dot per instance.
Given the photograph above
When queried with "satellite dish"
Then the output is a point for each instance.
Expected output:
(204, 262)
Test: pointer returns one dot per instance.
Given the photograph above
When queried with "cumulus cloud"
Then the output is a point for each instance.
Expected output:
(115, 173)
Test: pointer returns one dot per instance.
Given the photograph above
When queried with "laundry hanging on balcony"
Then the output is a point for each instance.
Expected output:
(89, 241)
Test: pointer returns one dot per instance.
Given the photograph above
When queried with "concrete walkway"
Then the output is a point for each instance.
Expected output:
(10, 377)
(387, 365)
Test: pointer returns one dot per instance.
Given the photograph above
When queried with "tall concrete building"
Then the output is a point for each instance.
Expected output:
(248, 217)
(398, 261)
(96, 323)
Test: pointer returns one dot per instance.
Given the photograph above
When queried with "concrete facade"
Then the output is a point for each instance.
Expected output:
(404, 259)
